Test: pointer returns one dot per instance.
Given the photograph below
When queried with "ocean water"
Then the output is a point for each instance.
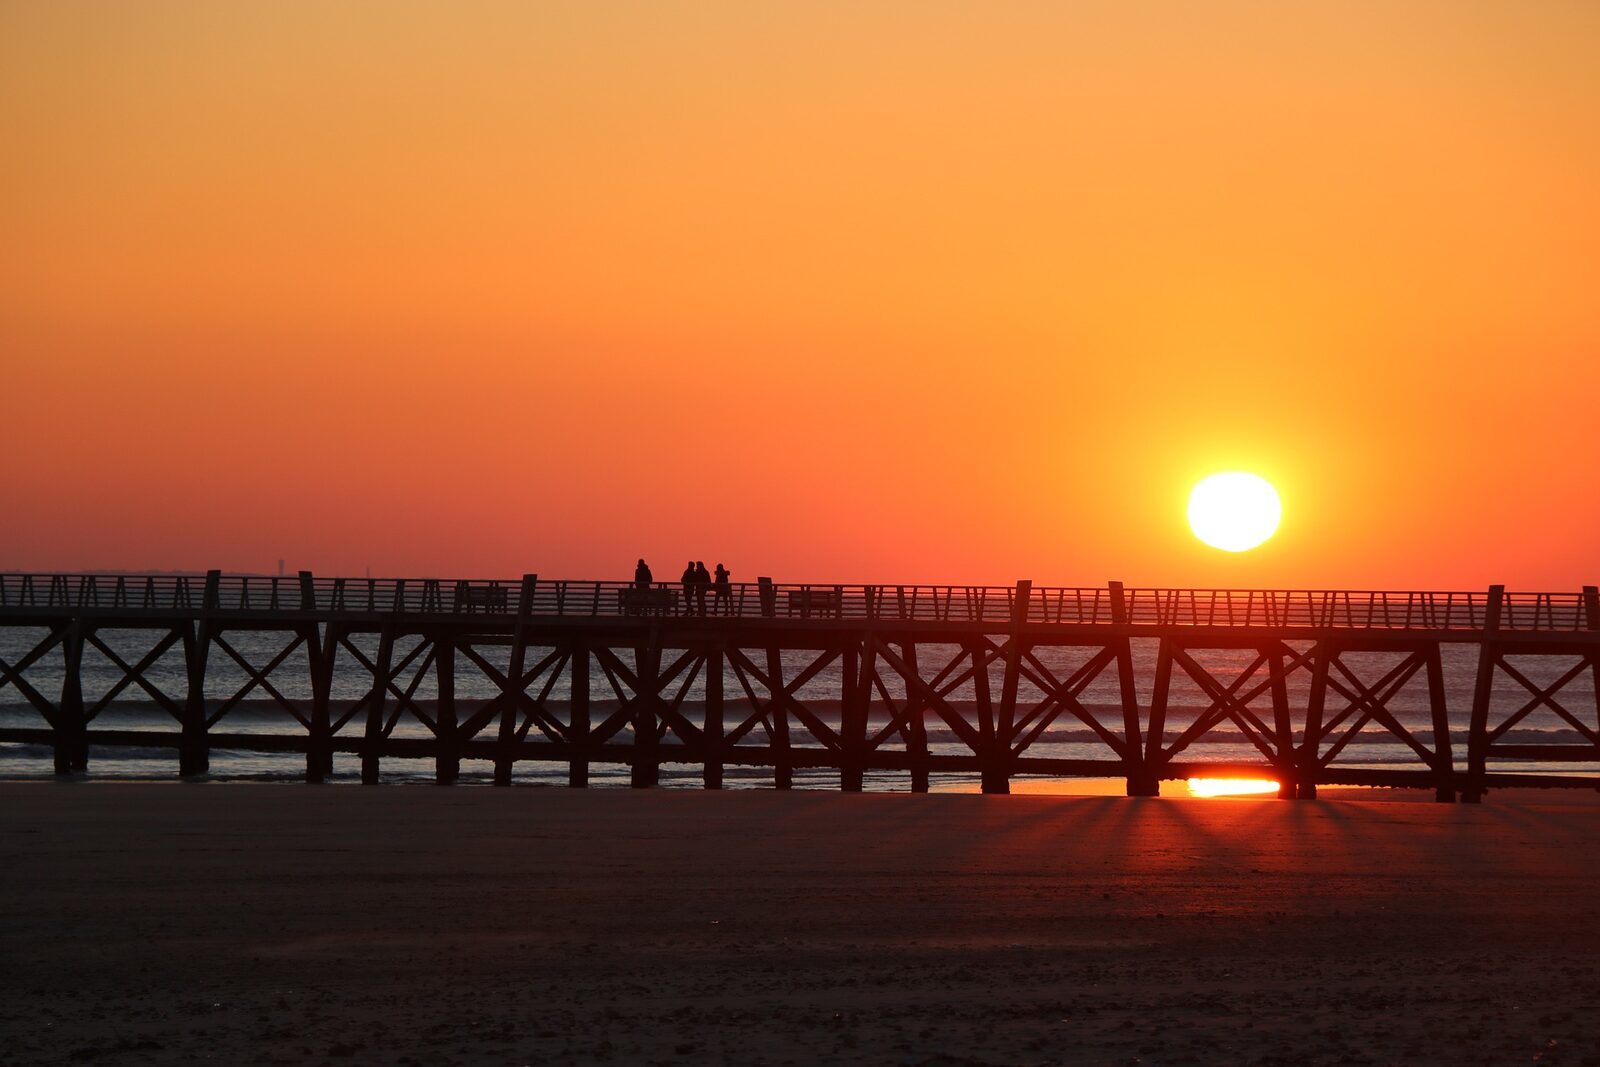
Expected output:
(257, 712)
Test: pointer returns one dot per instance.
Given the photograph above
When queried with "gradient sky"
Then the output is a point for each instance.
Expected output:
(855, 291)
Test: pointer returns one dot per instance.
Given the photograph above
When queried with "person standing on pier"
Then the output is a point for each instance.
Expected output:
(702, 581)
(642, 576)
(688, 580)
(724, 589)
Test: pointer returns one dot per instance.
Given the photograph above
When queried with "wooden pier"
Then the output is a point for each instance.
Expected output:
(630, 657)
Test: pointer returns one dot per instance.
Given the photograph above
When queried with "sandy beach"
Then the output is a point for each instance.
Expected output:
(149, 923)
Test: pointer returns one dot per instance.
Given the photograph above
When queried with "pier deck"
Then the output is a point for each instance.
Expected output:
(584, 672)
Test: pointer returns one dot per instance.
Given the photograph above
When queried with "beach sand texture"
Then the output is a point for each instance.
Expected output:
(152, 923)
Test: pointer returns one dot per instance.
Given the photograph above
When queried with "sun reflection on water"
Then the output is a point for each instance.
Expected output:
(1228, 787)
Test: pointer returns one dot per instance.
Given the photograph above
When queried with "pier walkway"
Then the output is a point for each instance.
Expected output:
(920, 679)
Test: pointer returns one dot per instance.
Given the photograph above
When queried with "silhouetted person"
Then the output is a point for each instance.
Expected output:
(702, 581)
(642, 576)
(688, 581)
(724, 589)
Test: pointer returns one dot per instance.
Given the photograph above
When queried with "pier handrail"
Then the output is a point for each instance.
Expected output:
(1112, 604)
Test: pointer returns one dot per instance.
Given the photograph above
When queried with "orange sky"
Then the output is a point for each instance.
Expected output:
(909, 291)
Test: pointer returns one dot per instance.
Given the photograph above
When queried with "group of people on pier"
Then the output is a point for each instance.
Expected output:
(696, 582)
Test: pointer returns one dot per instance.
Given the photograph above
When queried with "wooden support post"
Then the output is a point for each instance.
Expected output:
(1483, 688)
(712, 728)
(916, 724)
(1141, 783)
(511, 696)
(1591, 616)
(447, 751)
(999, 764)
(646, 755)
(768, 597)
(1322, 657)
(852, 720)
(782, 766)
(194, 750)
(992, 768)
(1444, 771)
(308, 592)
(1282, 726)
(578, 730)
(70, 735)
(372, 740)
(1156, 730)
(321, 648)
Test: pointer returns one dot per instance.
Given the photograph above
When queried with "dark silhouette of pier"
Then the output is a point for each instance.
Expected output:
(631, 655)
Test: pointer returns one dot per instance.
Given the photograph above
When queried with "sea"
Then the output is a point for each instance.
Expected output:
(129, 707)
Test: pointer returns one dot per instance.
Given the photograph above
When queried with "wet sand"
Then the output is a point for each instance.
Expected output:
(157, 923)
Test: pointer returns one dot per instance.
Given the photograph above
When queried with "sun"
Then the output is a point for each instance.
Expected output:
(1234, 511)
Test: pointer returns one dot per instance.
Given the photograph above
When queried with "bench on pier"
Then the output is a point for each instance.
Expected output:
(815, 602)
(641, 601)
(469, 598)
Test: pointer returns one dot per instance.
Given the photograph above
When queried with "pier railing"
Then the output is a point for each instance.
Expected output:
(1112, 604)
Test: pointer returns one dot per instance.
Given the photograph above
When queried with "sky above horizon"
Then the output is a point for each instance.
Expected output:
(836, 291)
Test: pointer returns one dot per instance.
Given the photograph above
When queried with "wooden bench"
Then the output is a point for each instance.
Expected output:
(815, 602)
(640, 601)
(469, 598)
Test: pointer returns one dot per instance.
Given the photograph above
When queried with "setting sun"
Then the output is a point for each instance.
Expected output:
(1234, 511)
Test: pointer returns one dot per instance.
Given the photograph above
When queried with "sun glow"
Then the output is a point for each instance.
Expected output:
(1229, 787)
(1234, 511)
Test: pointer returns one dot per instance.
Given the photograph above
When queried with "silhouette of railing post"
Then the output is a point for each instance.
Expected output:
(1591, 607)
(1483, 688)
(308, 591)
(768, 597)
(194, 751)
(1142, 781)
